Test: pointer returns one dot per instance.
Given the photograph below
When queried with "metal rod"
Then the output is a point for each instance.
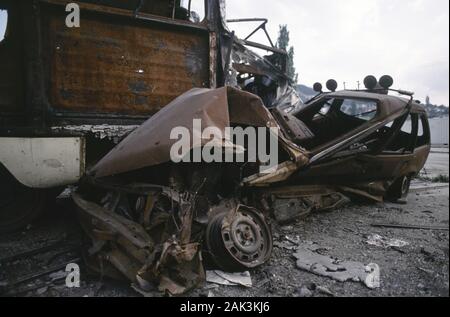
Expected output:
(261, 26)
(189, 8)
(34, 276)
(33, 252)
(254, 31)
(265, 47)
(173, 9)
(406, 226)
(247, 20)
(138, 8)
(268, 36)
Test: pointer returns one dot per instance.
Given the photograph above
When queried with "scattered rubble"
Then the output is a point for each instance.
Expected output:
(380, 241)
(309, 259)
(149, 221)
(163, 245)
(229, 279)
(425, 261)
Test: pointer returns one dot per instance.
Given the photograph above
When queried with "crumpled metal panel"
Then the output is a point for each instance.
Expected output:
(132, 68)
(122, 246)
(244, 60)
(150, 144)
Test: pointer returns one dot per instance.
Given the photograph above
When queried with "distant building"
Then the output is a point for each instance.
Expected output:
(439, 130)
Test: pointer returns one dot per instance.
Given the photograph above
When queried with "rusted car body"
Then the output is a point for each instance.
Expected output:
(175, 210)
(367, 153)
(68, 95)
(154, 221)
(365, 144)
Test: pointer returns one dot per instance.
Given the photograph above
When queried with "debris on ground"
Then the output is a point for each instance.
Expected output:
(324, 290)
(58, 275)
(229, 279)
(383, 242)
(312, 289)
(304, 291)
(424, 262)
(287, 243)
(42, 290)
(308, 259)
(426, 270)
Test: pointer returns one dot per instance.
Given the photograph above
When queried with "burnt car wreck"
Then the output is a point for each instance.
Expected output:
(151, 220)
(221, 210)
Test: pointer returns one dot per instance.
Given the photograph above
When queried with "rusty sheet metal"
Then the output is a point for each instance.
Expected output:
(119, 244)
(120, 66)
(150, 144)
(289, 203)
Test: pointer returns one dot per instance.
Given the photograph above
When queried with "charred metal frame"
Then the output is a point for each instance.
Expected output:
(206, 27)
(272, 48)
(38, 115)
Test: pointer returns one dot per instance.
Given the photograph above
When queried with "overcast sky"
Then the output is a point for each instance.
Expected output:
(349, 39)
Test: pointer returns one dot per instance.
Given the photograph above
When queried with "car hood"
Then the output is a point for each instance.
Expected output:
(150, 144)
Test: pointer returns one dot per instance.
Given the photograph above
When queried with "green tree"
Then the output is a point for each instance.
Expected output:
(283, 43)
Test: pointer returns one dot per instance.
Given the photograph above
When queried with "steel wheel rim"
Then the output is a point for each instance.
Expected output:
(243, 244)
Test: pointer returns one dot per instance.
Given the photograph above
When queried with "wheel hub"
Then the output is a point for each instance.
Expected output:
(245, 236)
(239, 243)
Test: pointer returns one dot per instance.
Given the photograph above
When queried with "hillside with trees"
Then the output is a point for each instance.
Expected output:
(435, 111)
(283, 43)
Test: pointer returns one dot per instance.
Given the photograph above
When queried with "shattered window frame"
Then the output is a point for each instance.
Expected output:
(190, 8)
(361, 102)
(423, 134)
(409, 145)
(324, 100)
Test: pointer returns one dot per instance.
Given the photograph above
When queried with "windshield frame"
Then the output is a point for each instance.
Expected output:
(323, 98)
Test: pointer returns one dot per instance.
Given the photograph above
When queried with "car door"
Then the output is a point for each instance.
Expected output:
(385, 154)
(398, 157)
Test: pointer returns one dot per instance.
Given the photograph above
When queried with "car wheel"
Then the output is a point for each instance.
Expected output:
(241, 242)
(399, 189)
(19, 205)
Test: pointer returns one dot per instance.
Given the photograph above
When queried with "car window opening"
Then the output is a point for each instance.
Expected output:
(260, 85)
(386, 141)
(330, 119)
(194, 10)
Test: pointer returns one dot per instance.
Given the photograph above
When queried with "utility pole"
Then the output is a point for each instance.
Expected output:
(359, 83)
(344, 86)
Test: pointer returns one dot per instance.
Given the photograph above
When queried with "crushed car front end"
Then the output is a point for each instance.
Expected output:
(153, 219)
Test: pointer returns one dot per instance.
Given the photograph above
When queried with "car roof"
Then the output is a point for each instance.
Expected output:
(389, 104)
